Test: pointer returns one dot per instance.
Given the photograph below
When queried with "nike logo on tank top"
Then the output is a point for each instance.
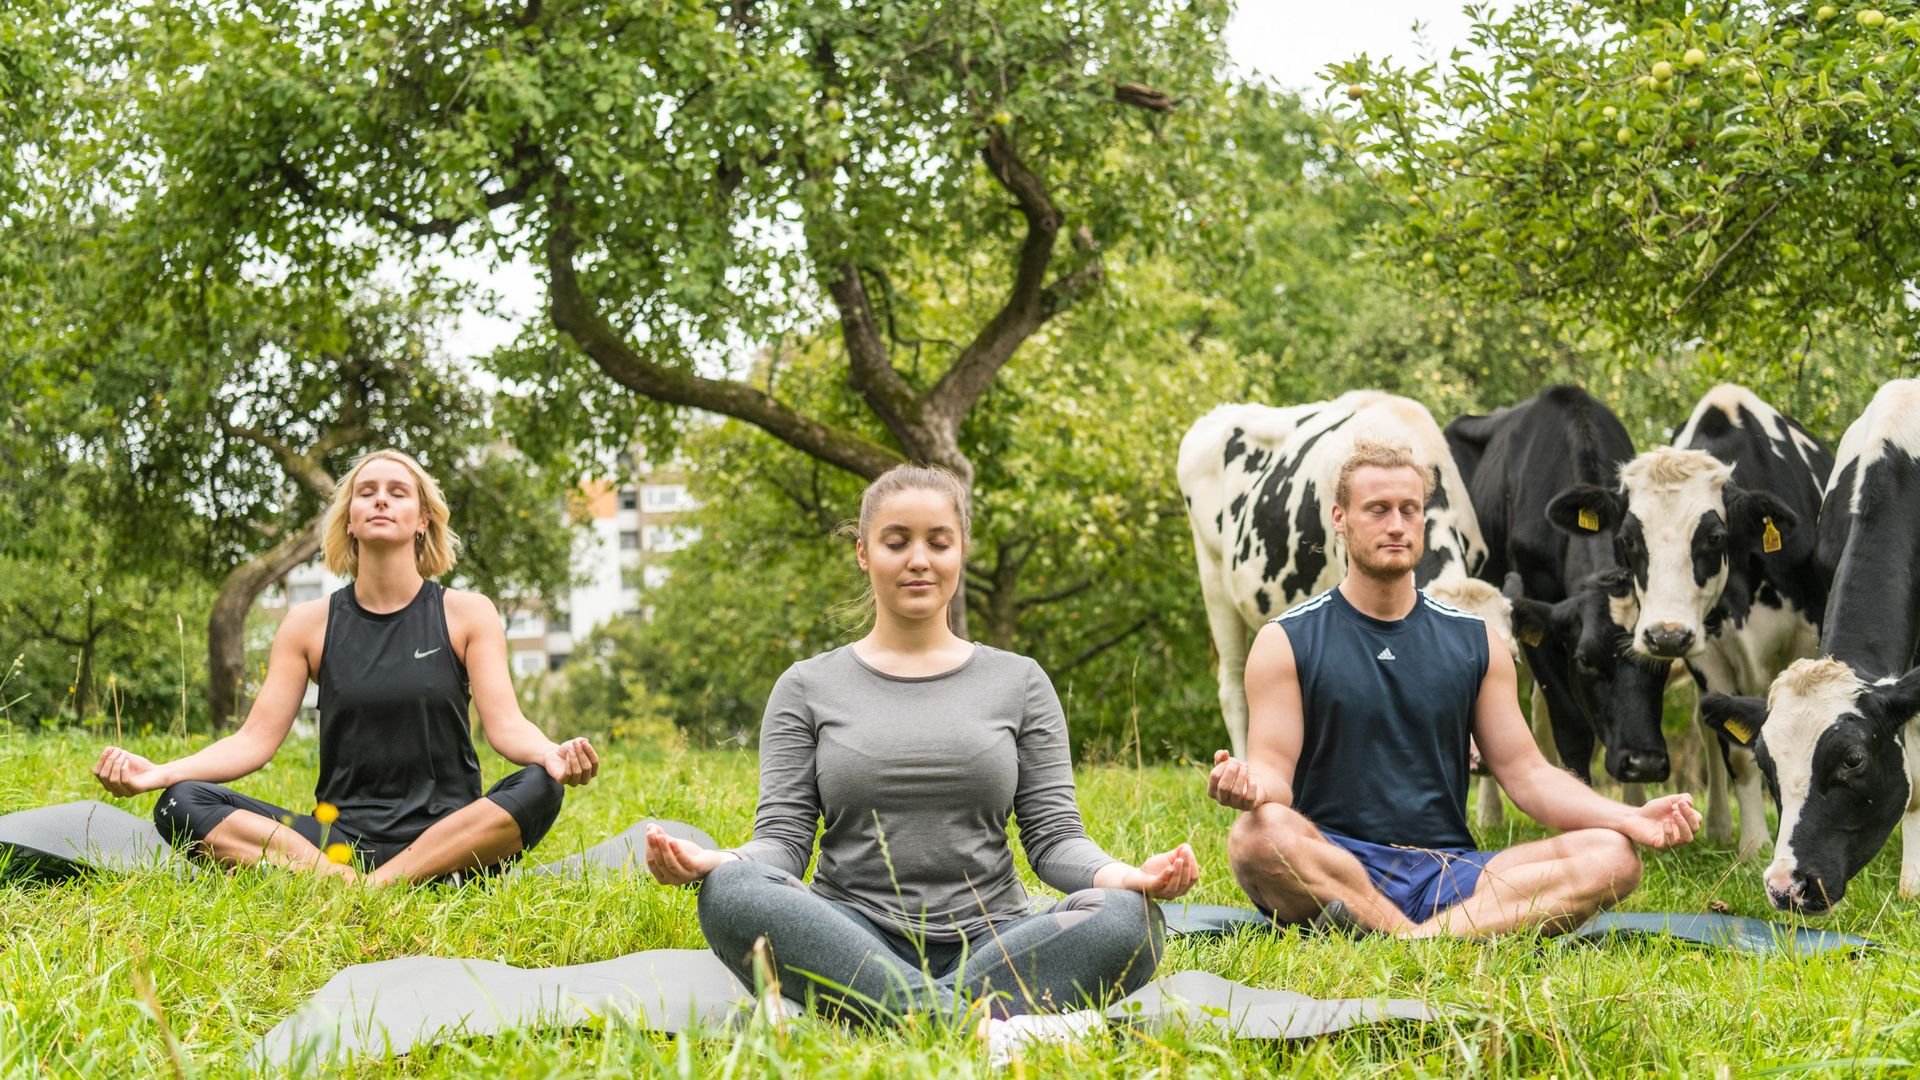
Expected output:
(396, 751)
(1388, 710)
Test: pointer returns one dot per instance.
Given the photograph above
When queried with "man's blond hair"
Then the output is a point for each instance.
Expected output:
(1380, 456)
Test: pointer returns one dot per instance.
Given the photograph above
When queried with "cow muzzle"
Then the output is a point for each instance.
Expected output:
(1799, 892)
(1642, 766)
(1667, 640)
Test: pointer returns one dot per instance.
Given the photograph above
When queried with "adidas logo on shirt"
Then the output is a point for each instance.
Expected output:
(1385, 654)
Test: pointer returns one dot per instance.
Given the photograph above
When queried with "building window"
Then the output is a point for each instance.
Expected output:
(628, 498)
(629, 540)
(529, 663)
(666, 498)
(670, 537)
(560, 622)
(305, 591)
(524, 624)
(556, 661)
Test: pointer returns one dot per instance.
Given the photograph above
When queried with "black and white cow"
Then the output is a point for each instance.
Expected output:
(1586, 679)
(1717, 534)
(1839, 737)
(1259, 482)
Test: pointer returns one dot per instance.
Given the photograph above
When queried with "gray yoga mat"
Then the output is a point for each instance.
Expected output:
(393, 1006)
(52, 842)
(625, 853)
(390, 1007)
(1245, 1012)
(1190, 920)
(1755, 936)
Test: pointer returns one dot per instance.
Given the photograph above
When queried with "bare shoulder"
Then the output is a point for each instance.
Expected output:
(305, 620)
(470, 609)
(1271, 650)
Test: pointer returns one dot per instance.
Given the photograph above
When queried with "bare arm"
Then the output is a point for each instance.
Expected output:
(290, 663)
(481, 639)
(1275, 728)
(1552, 796)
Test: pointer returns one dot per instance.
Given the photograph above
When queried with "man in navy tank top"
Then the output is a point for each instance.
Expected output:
(1354, 791)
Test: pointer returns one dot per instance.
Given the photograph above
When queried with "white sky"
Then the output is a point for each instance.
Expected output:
(1288, 41)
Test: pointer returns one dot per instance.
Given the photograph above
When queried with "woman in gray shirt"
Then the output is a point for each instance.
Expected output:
(914, 746)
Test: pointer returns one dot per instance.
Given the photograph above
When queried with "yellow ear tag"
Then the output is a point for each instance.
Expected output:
(1741, 733)
(1530, 635)
(1589, 519)
(1770, 540)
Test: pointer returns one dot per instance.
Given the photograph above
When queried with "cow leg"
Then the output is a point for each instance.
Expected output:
(1753, 804)
(1230, 642)
(1543, 735)
(1910, 854)
(1492, 812)
(1719, 810)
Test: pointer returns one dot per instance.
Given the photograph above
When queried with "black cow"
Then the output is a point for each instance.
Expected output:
(1577, 607)
(1723, 568)
(1837, 737)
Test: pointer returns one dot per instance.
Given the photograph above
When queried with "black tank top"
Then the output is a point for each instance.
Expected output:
(1388, 707)
(396, 752)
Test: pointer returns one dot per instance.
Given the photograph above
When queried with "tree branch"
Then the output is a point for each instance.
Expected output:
(869, 369)
(1073, 590)
(304, 469)
(1030, 301)
(573, 314)
(1102, 646)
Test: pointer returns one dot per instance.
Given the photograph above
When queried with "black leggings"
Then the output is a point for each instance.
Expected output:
(191, 809)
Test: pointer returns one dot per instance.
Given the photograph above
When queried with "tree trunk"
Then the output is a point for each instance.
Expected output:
(227, 625)
(83, 678)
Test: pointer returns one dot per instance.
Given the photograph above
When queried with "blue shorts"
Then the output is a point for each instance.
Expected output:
(1421, 882)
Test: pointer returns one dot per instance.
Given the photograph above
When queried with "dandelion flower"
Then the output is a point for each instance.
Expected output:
(339, 853)
(326, 813)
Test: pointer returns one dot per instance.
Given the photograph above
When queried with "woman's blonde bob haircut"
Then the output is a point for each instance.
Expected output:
(433, 553)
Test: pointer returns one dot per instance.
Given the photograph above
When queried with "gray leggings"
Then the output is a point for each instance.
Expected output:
(1092, 947)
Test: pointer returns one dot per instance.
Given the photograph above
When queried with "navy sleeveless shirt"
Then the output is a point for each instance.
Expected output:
(1388, 708)
(396, 751)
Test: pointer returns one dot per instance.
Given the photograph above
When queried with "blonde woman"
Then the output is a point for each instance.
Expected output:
(397, 658)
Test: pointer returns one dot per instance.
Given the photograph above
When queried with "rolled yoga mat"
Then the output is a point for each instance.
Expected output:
(393, 1006)
(52, 842)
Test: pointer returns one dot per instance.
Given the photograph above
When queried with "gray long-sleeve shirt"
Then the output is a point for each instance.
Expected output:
(915, 778)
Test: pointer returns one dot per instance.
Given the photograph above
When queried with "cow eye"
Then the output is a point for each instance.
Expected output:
(1855, 760)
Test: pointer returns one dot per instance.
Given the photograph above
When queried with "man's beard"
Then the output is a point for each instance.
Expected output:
(1391, 568)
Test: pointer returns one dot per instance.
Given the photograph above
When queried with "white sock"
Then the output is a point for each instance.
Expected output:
(1004, 1037)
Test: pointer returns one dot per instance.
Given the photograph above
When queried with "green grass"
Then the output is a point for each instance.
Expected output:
(226, 956)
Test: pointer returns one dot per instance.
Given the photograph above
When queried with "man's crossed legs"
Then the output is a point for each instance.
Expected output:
(1293, 870)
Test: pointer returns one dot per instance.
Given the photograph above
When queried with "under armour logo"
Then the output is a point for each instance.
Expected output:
(1385, 654)
(418, 655)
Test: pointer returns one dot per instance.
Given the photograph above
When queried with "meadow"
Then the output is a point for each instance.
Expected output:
(151, 975)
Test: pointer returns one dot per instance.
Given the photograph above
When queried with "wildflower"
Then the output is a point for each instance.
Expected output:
(339, 853)
(326, 813)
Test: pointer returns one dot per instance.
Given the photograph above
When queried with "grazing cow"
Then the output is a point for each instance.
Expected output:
(1259, 486)
(1723, 570)
(1839, 738)
(1587, 679)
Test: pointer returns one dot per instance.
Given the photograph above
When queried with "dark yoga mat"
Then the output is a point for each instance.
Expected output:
(1755, 936)
(1732, 932)
(390, 1007)
(52, 842)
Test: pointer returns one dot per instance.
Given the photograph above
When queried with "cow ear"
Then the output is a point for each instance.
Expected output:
(1758, 517)
(1586, 508)
(1535, 620)
(1897, 702)
(1737, 718)
(1514, 587)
